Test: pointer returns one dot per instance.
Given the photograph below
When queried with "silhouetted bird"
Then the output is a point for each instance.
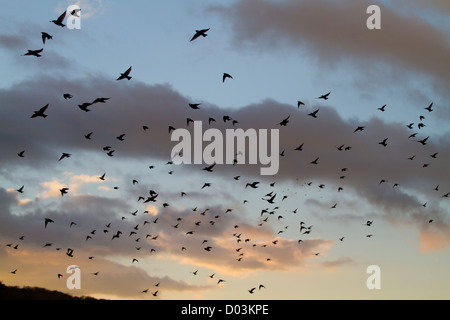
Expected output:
(226, 75)
(45, 36)
(47, 221)
(85, 106)
(40, 112)
(199, 33)
(324, 96)
(59, 21)
(285, 121)
(126, 75)
(35, 53)
(313, 114)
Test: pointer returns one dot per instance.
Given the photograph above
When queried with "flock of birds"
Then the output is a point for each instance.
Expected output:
(206, 216)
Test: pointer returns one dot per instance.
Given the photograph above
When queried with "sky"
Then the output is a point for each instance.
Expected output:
(278, 52)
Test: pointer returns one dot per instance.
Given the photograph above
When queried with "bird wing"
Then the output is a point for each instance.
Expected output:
(128, 71)
(61, 17)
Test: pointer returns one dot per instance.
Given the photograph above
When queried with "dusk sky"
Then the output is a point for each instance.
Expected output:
(348, 199)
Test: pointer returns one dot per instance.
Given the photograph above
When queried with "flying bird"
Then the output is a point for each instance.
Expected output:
(126, 75)
(382, 109)
(199, 33)
(254, 185)
(21, 153)
(209, 168)
(47, 221)
(226, 75)
(67, 96)
(63, 191)
(285, 121)
(45, 36)
(314, 114)
(40, 112)
(324, 96)
(64, 155)
(59, 21)
(35, 53)
(383, 143)
(429, 108)
(85, 106)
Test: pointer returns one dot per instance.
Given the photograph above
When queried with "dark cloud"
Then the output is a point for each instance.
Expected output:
(336, 31)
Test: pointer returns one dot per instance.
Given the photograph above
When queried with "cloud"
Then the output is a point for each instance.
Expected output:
(366, 162)
(71, 181)
(334, 32)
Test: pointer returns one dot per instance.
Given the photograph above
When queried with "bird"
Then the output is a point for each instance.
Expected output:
(300, 103)
(359, 128)
(45, 36)
(199, 33)
(383, 143)
(67, 96)
(251, 290)
(88, 136)
(299, 148)
(59, 21)
(102, 177)
(254, 185)
(315, 161)
(125, 75)
(324, 96)
(285, 121)
(63, 191)
(64, 155)
(20, 190)
(226, 75)
(209, 168)
(382, 109)
(75, 12)
(429, 108)
(35, 53)
(47, 221)
(69, 252)
(21, 153)
(121, 137)
(40, 112)
(84, 106)
(314, 114)
(14, 271)
(423, 141)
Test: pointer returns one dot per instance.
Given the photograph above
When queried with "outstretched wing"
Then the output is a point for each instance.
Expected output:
(61, 17)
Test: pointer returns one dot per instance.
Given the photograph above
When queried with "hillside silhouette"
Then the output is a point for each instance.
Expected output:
(35, 293)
